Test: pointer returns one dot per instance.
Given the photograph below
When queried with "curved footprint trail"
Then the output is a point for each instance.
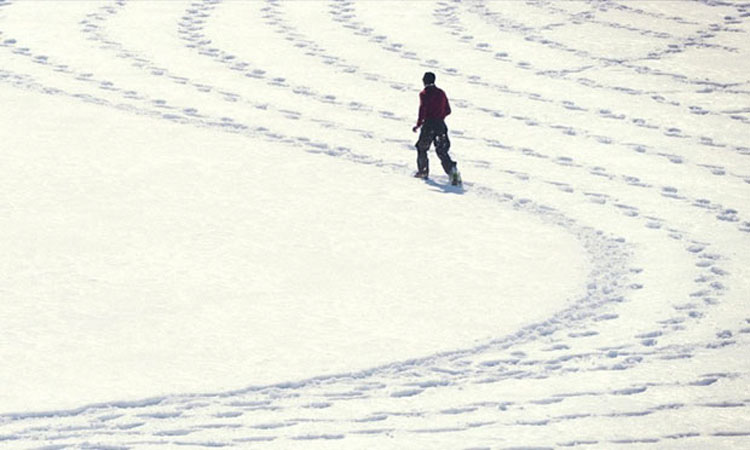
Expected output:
(630, 145)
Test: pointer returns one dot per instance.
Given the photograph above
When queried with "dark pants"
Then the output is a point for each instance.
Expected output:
(434, 132)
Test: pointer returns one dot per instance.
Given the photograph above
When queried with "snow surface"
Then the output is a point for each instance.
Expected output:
(210, 236)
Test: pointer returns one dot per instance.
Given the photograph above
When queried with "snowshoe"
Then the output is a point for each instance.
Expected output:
(456, 177)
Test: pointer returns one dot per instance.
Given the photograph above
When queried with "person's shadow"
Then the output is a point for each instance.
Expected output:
(445, 188)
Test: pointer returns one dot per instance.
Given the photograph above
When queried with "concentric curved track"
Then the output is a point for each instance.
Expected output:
(599, 118)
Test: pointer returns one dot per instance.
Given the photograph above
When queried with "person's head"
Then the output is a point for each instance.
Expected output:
(428, 78)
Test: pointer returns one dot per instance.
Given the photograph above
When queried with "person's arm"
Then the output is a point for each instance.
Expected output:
(447, 107)
(420, 119)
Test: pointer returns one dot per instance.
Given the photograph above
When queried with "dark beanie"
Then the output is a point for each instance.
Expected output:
(428, 78)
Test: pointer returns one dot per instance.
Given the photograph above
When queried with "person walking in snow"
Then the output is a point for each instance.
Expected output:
(433, 109)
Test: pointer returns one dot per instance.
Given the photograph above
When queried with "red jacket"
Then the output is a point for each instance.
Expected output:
(433, 104)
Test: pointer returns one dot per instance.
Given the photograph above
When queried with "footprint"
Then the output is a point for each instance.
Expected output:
(728, 215)
(604, 317)
(407, 393)
(587, 333)
(630, 391)
(229, 414)
(597, 198)
(653, 334)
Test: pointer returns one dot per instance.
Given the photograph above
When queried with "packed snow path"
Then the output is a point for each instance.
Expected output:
(617, 130)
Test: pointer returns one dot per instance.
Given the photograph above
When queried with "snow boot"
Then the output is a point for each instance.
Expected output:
(455, 176)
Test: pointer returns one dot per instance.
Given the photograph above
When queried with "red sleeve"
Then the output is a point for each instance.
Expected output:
(447, 109)
(420, 119)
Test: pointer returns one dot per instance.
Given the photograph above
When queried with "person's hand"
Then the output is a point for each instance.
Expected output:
(415, 129)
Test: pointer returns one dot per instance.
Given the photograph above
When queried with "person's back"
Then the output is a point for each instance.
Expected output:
(433, 104)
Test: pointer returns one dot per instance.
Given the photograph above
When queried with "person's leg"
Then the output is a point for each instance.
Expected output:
(442, 146)
(423, 145)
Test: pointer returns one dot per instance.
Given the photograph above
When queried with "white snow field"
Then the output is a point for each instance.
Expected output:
(210, 236)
